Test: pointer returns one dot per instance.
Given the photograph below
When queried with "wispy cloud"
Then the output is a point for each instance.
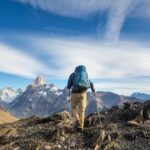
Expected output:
(16, 62)
(73, 8)
(117, 10)
(118, 61)
(126, 88)
(116, 16)
(122, 59)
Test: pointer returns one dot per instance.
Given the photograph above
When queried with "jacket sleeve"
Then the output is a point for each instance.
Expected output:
(92, 87)
(70, 81)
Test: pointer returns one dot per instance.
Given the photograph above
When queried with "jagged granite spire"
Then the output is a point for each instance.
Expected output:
(38, 81)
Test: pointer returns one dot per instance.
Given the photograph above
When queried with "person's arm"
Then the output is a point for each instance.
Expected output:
(70, 81)
(92, 87)
(93, 90)
(69, 85)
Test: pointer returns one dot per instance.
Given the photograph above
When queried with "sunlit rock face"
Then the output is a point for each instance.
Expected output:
(38, 81)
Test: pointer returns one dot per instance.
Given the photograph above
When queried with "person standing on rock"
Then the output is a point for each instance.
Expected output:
(78, 84)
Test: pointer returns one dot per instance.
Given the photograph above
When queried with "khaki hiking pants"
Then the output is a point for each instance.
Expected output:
(78, 105)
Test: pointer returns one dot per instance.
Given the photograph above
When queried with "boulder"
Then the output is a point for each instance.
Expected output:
(112, 126)
(133, 123)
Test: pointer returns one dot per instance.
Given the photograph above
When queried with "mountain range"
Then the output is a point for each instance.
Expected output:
(43, 99)
(141, 96)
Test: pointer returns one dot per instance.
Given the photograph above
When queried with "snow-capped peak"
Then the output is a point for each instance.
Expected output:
(8, 94)
(47, 88)
(38, 81)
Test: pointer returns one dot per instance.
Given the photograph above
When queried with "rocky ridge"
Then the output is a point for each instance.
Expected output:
(141, 96)
(38, 81)
(44, 99)
(48, 99)
(123, 127)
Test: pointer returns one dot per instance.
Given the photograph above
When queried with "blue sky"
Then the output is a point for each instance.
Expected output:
(47, 37)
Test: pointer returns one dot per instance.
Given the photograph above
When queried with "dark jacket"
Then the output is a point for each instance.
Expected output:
(70, 84)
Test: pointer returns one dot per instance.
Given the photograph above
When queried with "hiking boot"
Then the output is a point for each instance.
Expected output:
(77, 124)
(79, 129)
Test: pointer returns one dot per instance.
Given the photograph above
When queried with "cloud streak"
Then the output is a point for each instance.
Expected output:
(125, 88)
(16, 62)
(124, 61)
(117, 10)
(102, 59)
(116, 17)
(106, 62)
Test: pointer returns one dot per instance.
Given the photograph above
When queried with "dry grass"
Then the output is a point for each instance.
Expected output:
(5, 117)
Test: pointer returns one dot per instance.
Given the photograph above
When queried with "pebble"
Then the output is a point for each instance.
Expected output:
(47, 147)
(73, 144)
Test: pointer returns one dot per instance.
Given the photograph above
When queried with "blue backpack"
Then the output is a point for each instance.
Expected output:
(81, 81)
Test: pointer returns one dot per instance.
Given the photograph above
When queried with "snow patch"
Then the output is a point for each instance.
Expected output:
(43, 93)
(53, 89)
(59, 93)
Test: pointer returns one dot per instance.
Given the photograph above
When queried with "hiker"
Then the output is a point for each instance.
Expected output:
(78, 84)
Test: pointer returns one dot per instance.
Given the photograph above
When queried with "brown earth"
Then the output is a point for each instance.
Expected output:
(5, 117)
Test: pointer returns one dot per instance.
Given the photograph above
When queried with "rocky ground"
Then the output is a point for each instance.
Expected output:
(125, 127)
